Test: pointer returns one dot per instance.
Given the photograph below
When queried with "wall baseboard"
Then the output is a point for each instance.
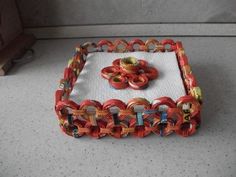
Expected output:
(120, 30)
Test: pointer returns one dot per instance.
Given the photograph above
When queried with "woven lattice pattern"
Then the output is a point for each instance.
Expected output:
(138, 116)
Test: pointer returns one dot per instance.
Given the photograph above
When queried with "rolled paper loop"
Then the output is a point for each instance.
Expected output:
(85, 103)
(151, 73)
(118, 82)
(169, 42)
(194, 104)
(183, 60)
(163, 101)
(196, 93)
(153, 42)
(138, 102)
(129, 65)
(120, 42)
(90, 117)
(141, 44)
(62, 108)
(190, 80)
(58, 96)
(78, 49)
(109, 72)
(107, 43)
(69, 75)
(186, 129)
(70, 62)
(79, 124)
(142, 64)
(179, 48)
(138, 82)
(175, 114)
(69, 128)
(159, 48)
(140, 130)
(179, 45)
(95, 130)
(86, 46)
(114, 103)
(163, 125)
(116, 62)
(186, 69)
(116, 131)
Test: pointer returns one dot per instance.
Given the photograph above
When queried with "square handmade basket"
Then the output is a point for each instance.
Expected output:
(120, 88)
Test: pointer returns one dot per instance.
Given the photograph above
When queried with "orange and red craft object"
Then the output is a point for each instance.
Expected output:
(129, 72)
(181, 116)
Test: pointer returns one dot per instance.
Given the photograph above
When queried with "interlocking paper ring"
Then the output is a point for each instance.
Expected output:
(183, 60)
(116, 130)
(186, 129)
(140, 130)
(151, 73)
(86, 45)
(120, 42)
(195, 105)
(167, 127)
(68, 128)
(58, 96)
(129, 65)
(167, 101)
(69, 75)
(85, 104)
(138, 82)
(95, 130)
(138, 101)
(114, 103)
(118, 82)
(62, 106)
(107, 43)
(179, 45)
(190, 80)
(141, 44)
(169, 42)
(153, 42)
(79, 124)
(186, 69)
(116, 62)
(109, 72)
(142, 63)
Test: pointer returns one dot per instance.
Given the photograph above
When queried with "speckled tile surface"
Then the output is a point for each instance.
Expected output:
(32, 144)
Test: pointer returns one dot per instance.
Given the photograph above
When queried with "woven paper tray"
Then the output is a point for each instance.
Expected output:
(162, 113)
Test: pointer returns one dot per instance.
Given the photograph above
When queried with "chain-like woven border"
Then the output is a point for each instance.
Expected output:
(76, 120)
